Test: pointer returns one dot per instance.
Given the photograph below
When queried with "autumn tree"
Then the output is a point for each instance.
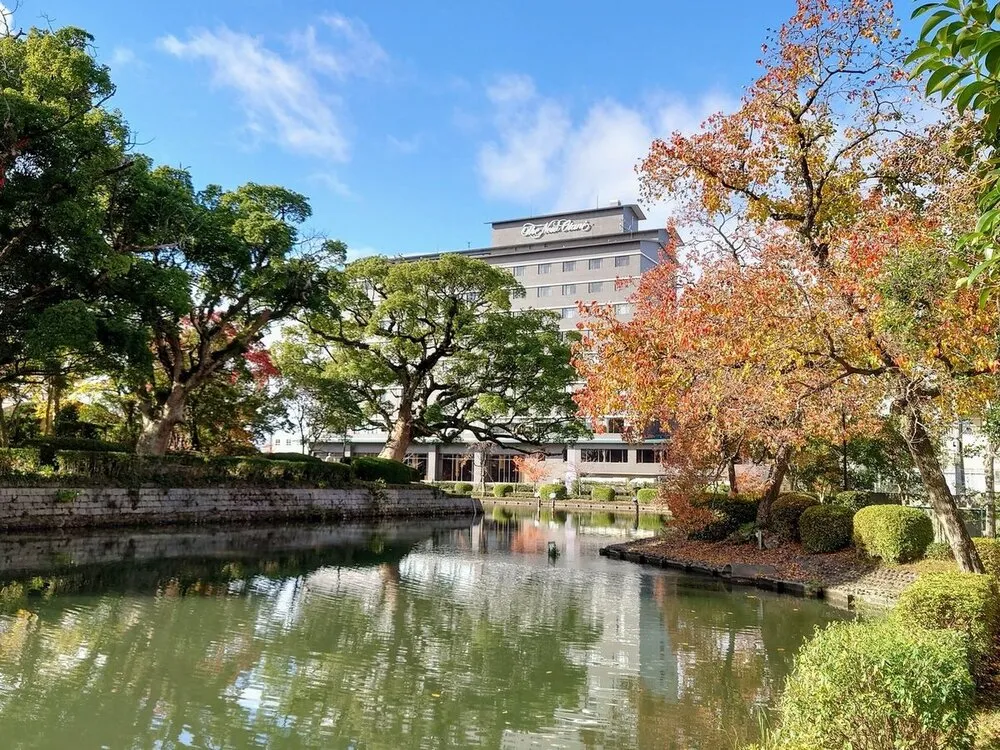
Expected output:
(431, 348)
(831, 294)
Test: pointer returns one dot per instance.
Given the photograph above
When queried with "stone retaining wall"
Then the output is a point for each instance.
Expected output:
(50, 507)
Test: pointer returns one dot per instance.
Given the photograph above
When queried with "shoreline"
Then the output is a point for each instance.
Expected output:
(570, 504)
(866, 588)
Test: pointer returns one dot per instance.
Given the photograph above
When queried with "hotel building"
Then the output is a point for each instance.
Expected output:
(560, 259)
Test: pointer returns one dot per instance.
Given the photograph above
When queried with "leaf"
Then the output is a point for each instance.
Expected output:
(921, 9)
(938, 77)
(935, 20)
(964, 97)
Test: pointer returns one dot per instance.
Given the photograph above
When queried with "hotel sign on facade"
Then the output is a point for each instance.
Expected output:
(556, 226)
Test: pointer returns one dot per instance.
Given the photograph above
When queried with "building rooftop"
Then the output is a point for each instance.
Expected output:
(597, 210)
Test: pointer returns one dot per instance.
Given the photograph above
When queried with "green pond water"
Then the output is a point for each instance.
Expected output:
(445, 634)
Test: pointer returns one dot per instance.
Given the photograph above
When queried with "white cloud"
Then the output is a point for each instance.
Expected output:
(333, 183)
(6, 20)
(122, 56)
(288, 96)
(540, 154)
(404, 145)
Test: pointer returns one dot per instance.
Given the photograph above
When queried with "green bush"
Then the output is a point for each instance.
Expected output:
(373, 468)
(502, 490)
(647, 494)
(939, 551)
(989, 553)
(524, 489)
(893, 533)
(964, 602)
(48, 446)
(785, 513)
(893, 686)
(463, 488)
(602, 494)
(826, 528)
(16, 461)
(307, 458)
(546, 491)
(731, 512)
(854, 499)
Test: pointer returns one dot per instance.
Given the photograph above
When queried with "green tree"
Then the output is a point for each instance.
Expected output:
(431, 348)
(61, 150)
(216, 269)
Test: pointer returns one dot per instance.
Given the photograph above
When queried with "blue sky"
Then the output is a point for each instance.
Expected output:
(410, 125)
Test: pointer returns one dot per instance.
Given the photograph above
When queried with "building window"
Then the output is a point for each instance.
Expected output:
(417, 461)
(502, 469)
(604, 455)
(623, 309)
(569, 312)
(569, 265)
(595, 287)
(594, 264)
(621, 261)
(518, 293)
(544, 291)
(647, 456)
(456, 467)
(568, 290)
(517, 270)
(544, 268)
(616, 424)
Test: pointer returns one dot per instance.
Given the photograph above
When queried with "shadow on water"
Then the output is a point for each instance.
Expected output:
(433, 635)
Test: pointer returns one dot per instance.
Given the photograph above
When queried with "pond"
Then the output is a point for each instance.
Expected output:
(443, 634)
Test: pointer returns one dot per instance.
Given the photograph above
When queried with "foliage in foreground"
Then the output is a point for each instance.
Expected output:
(966, 603)
(878, 686)
(893, 533)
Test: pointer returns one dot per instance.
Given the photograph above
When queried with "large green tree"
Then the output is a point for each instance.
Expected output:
(215, 270)
(61, 151)
(432, 349)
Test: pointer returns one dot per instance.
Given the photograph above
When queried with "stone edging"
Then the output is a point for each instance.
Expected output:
(834, 595)
(571, 504)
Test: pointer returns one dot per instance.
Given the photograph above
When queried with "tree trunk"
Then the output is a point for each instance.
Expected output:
(400, 435)
(731, 468)
(924, 454)
(156, 433)
(991, 495)
(774, 480)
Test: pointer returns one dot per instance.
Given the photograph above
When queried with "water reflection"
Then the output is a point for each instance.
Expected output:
(454, 635)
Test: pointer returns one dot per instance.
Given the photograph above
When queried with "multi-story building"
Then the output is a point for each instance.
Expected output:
(593, 256)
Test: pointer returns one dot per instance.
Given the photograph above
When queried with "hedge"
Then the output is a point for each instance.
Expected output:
(602, 494)
(939, 551)
(989, 553)
(18, 461)
(502, 490)
(893, 533)
(546, 491)
(826, 528)
(373, 468)
(308, 458)
(463, 488)
(968, 603)
(647, 495)
(785, 514)
(894, 686)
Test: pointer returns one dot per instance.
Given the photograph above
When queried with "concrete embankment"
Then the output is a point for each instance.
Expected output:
(60, 507)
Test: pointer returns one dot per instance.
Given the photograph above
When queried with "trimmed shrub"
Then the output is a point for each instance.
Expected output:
(48, 446)
(939, 551)
(647, 495)
(854, 499)
(546, 491)
(730, 514)
(965, 602)
(602, 494)
(305, 457)
(373, 468)
(785, 513)
(893, 533)
(894, 686)
(502, 490)
(826, 528)
(989, 553)
(463, 488)
(521, 488)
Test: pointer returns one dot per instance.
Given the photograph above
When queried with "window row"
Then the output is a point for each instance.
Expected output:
(570, 290)
(619, 455)
(568, 266)
(623, 308)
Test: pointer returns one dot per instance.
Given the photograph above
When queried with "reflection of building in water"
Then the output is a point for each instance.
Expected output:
(658, 666)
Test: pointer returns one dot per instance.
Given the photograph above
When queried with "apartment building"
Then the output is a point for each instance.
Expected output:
(591, 256)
